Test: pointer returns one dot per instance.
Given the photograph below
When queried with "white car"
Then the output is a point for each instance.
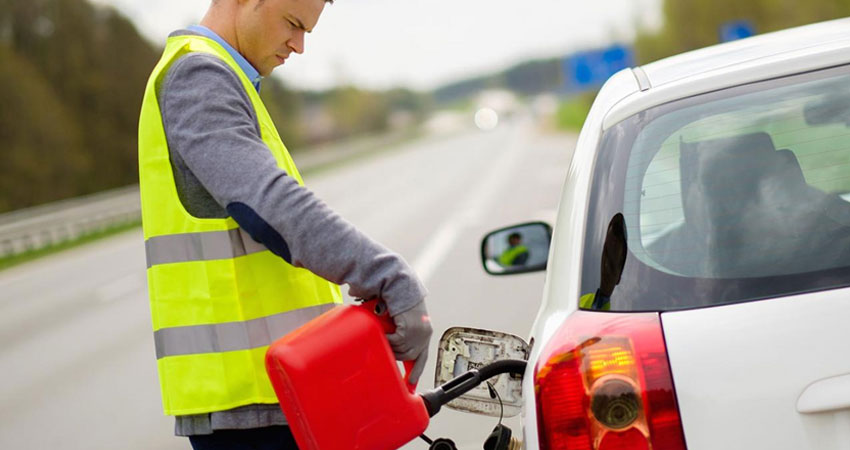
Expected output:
(698, 283)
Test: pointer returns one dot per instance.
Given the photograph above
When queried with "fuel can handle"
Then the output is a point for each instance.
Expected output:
(379, 308)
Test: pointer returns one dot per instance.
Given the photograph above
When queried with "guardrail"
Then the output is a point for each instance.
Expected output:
(46, 225)
(54, 223)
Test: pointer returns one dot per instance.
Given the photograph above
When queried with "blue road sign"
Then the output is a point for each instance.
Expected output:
(589, 69)
(737, 29)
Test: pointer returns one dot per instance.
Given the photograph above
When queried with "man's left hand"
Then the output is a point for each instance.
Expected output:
(411, 338)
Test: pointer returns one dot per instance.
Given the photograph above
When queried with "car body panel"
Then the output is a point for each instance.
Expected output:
(563, 277)
(796, 342)
(748, 364)
(804, 39)
(833, 53)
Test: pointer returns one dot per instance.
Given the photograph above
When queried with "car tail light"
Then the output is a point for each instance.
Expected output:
(603, 383)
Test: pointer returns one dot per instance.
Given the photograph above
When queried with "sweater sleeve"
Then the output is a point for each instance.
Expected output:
(210, 122)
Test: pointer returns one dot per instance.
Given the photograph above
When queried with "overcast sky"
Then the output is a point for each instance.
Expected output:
(424, 43)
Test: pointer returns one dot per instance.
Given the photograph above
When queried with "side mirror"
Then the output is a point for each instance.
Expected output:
(462, 349)
(516, 249)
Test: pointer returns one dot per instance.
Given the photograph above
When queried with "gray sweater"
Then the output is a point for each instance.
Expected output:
(222, 168)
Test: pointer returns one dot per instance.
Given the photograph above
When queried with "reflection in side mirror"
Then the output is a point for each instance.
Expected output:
(516, 249)
(462, 349)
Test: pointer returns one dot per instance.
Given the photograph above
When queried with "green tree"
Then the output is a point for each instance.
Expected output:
(357, 111)
(284, 106)
(89, 67)
(72, 77)
(36, 132)
(415, 103)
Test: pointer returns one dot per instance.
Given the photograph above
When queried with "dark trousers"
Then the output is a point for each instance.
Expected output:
(269, 438)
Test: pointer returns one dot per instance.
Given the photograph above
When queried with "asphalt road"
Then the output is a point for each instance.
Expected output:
(77, 356)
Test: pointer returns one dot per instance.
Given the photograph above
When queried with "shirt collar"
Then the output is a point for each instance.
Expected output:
(243, 63)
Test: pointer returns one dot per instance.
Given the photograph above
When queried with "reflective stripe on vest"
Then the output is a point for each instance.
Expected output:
(217, 297)
(232, 336)
(206, 246)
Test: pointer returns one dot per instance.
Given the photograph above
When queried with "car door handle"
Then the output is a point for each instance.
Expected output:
(829, 394)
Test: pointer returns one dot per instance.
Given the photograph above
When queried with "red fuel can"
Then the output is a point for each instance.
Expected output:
(339, 385)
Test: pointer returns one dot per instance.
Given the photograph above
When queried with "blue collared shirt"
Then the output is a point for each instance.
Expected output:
(246, 67)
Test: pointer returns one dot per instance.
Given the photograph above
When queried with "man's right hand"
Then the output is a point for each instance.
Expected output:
(411, 338)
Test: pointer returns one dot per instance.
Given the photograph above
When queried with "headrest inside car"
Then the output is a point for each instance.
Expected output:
(735, 175)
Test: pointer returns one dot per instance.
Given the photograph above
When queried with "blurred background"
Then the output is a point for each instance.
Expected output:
(426, 123)
(72, 72)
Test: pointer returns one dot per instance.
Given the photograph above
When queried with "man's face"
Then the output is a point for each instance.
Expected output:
(268, 31)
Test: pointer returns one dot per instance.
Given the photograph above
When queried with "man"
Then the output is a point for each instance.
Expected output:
(516, 254)
(239, 251)
(615, 251)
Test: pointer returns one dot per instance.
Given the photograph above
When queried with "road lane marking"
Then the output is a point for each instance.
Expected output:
(471, 208)
(436, 250)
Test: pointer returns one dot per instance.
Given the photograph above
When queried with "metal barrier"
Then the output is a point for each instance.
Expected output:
(45, 225)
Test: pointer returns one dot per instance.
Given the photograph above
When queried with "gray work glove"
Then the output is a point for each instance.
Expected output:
(411, 338)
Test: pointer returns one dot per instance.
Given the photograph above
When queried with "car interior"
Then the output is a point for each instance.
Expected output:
(748, 212)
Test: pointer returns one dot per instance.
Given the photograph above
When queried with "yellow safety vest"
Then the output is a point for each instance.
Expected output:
(586, 302)
(507, 258)
(218, 299)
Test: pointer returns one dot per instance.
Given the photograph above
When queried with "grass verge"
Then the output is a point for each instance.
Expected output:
(572, 112)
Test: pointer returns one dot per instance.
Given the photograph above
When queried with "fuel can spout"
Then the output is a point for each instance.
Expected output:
(467, 381)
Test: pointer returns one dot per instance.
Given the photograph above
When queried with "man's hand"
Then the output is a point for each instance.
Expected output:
(411, 338)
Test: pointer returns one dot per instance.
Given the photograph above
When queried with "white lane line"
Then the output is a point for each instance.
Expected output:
(470, 210)
(436, 250)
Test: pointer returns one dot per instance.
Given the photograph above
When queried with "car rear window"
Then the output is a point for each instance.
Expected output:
(731, 196)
